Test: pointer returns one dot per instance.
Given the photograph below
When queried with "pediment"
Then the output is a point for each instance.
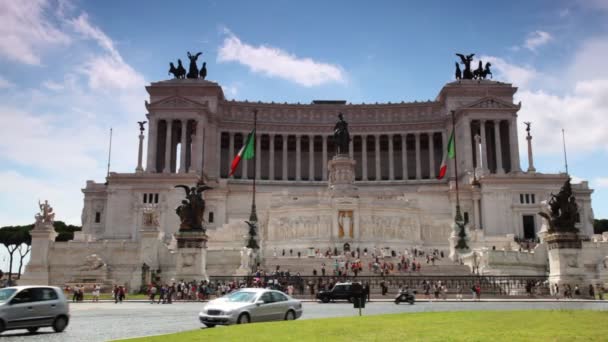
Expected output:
(176, 102)
(491, 103)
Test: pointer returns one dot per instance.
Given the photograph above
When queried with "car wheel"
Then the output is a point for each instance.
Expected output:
(60, 324)
(290, 315)
(325, 299)
(33, 330)
(243, 319)
(210, 325)
(411, 302)
(351, 299)
(396, 301)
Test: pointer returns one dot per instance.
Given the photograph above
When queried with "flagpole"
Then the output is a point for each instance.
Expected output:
(455, 162)
(565, 155)
(254, 216)
(109, 154)
(461, 242)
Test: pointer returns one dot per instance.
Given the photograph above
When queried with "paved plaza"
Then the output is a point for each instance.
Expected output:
(106, 321)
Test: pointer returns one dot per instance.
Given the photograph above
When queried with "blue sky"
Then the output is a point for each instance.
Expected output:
(70, 70)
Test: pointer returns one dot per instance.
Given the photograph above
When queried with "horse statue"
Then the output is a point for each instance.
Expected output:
(486, 71)
(193, 70)
(179, 72)
(458, 74)
(203, 72)
(341, 135)
(478, 73)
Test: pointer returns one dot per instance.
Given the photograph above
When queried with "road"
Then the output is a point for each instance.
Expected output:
(93, 322)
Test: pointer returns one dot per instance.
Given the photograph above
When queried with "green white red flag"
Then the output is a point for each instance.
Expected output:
(246, 152)
(448, 154)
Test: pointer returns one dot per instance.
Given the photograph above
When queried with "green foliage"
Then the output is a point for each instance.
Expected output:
(600, 226)
(65, 232)
(531, 325)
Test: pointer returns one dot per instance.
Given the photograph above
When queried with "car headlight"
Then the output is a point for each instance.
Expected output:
(204, 311)
(227, 312)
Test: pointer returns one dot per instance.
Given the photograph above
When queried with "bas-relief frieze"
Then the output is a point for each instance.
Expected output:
(284, 228)
(395, 227)
(289, 114)
(317, 129)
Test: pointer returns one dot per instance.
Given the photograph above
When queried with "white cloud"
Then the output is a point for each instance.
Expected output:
(55, 136)
(4, 83)
(536, 39)
(520, 76)
(600, 182)
(275, 62)
(579, 107)
(27, 28)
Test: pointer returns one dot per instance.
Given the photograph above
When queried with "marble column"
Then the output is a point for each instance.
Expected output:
(244, 162)
(258, 156)
(364, 157)
(230, 149)
(484, 146)
(152, 145)
(168, 147)
(271, 157)
(298, 158)
(351, 150)
(404, 156)
(498, 143)
(391, 159)
(199, 146)
(284, 161)
(514, 148)
(531, 168)
(311, 157)
(377, 156)
(324, 157)
(478, 168)
(431, 156)
(418, 164)
(476, 212)
(183, 147)
(140, 152)
(468, 145)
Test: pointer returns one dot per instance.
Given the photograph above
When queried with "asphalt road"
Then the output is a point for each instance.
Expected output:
(93, 322)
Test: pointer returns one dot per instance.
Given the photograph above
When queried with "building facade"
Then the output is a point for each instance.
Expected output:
(396, 202)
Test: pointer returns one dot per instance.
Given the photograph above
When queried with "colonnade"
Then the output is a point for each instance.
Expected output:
(304, 157)
(495, 151)
(169, 136)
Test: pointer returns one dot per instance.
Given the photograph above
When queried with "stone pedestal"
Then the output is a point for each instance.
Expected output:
(191, 256)
(37, 270)
(342, 176)
(565, 259)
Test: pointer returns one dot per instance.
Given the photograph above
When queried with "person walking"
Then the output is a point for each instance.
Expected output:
(95, 293)
(591, 291)
(459, 292)
(115, 294)
(152, 293)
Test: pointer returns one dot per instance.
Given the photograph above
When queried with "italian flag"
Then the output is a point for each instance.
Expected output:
(448, 154)
(246, 152)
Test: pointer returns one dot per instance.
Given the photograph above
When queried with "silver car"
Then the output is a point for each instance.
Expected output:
(250, 305)
(33, 307)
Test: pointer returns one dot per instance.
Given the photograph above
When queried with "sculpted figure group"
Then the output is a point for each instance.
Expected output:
(468, 73)
(192, 210)
(562, 211)
(179, 72)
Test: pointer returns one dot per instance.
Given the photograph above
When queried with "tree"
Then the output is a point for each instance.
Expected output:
(25, 246)
(12, 238)
(600, 226)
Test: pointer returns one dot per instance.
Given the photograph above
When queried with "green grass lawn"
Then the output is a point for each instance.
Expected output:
(429, 326)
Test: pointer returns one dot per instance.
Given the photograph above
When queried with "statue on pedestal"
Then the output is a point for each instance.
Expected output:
(561, 211)
(341, 135)
(191, 211)
(46, 217)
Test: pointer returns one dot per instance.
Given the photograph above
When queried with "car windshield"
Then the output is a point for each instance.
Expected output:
(5, 294)
(240, 296)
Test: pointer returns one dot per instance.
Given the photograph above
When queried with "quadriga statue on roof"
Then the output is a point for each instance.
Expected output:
(562, 211)
(192, 210)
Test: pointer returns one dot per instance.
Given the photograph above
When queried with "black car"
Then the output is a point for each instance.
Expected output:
(343, 291)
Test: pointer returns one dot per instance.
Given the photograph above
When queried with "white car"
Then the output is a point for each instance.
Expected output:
(33, 307)
(250, 305)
